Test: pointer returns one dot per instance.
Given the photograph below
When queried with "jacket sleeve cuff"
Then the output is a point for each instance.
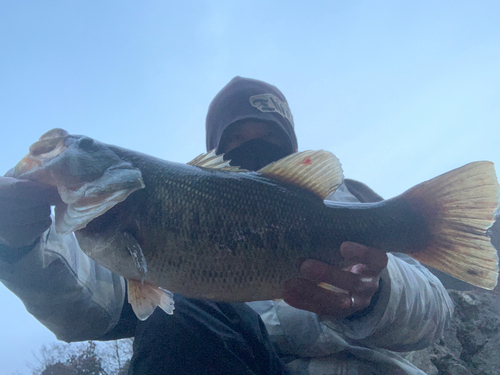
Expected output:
(59, 285)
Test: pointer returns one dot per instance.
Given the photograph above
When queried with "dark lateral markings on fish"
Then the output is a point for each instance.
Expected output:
(211, 231)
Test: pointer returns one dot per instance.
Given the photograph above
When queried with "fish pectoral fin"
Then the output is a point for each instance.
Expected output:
(213, 161)
(94, 198)
(135, 251)
(145, 297)
(317, 171)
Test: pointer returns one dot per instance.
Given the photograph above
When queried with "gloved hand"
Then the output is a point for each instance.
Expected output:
(24, 211)
(360, 282)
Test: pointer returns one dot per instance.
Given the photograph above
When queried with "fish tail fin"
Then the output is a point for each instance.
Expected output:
(145, 297)
(460, 206)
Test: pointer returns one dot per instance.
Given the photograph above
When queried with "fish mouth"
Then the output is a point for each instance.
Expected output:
(49, 145)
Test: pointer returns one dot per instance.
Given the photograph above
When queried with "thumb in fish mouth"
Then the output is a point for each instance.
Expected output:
(25, 212)
(30, 190)
(53, 196)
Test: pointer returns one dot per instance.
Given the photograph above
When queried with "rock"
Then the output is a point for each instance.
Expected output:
(471, 344)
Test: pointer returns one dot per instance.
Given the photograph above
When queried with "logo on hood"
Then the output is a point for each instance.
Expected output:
(271, 103)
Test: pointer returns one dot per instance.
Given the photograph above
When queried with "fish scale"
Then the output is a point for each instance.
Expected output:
(213, 232)
(240, 236)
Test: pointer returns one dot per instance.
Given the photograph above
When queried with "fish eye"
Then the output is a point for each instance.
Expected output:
(87, 144)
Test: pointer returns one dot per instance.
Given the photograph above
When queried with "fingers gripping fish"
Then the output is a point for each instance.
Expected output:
(207, 230)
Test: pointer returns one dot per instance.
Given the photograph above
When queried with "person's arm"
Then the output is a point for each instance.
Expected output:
(69, 293)
(410, 313)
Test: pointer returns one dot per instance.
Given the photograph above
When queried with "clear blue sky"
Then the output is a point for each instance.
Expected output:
(399, 91)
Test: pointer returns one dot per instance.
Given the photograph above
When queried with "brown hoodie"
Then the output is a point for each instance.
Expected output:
(249, 99)
(245, 99)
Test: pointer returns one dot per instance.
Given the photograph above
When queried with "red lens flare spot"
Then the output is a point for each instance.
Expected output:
(307, 161)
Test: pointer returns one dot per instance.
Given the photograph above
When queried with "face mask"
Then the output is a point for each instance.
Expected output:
(255, 154)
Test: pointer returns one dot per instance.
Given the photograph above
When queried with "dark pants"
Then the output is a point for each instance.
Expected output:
(204, 337)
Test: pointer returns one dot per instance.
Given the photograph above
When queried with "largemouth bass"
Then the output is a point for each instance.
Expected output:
(207, 230)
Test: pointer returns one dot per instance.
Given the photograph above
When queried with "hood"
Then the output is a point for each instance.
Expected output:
(248, 99)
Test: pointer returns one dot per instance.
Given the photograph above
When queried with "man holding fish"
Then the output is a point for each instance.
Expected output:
(344, 320)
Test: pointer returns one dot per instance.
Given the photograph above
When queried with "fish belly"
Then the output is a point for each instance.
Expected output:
(224, 274)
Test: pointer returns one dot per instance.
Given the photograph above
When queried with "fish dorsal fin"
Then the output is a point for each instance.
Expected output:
(317, 171)
(214, 161)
